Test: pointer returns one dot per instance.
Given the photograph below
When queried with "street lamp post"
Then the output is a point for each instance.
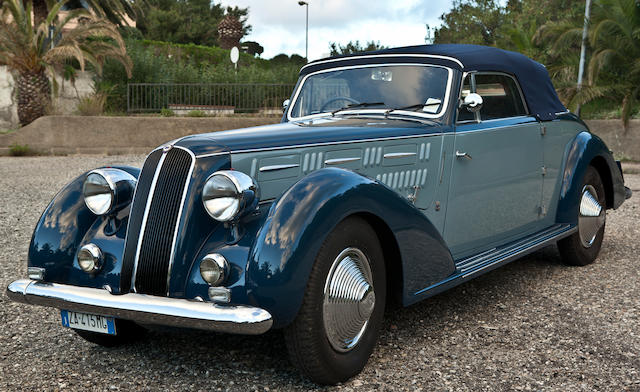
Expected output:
(306, 41)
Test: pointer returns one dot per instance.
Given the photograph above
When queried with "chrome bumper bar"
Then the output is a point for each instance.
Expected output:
(143, 308)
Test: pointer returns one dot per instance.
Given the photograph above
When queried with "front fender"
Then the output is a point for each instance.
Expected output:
(63, 226)
(585, 149)
(299, 221)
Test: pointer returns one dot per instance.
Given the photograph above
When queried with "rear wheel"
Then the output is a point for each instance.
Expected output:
(126, 332)
(582, 247)
(337, 326)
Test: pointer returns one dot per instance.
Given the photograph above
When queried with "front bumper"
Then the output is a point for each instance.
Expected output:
(143, 308)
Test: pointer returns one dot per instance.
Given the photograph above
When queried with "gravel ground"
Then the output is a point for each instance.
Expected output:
(531, 325)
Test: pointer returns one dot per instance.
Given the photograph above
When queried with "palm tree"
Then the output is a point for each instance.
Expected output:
(614, 65)
(29, 50)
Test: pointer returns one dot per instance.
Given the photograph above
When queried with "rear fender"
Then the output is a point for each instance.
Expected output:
(299, 221)
(584, 150)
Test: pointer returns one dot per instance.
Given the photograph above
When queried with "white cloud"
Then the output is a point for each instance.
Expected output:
(279, 26)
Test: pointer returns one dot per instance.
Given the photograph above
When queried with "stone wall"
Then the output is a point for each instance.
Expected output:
(8, 102)
(64, 103)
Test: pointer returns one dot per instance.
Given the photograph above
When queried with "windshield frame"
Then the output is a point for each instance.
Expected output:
(383, 110)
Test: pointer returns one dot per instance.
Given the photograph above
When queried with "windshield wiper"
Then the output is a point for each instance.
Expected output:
(410, 107)
(357, 105)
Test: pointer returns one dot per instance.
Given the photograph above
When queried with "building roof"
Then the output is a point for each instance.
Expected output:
(541, 96)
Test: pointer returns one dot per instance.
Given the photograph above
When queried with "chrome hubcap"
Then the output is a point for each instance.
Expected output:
(349, 299)
(592, 216)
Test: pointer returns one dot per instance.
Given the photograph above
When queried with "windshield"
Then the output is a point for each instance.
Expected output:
(412, 89)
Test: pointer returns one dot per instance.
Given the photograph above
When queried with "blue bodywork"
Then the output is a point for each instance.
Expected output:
(271, 250)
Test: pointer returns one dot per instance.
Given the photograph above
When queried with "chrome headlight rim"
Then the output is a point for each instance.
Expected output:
(220, 263)
(246, 193)
(95, 254)
(114, 178)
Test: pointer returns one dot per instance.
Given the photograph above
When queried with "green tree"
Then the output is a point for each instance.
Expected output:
(472, 22)
(614, 65)
(187, 21)
(354, 47)
(27, 49)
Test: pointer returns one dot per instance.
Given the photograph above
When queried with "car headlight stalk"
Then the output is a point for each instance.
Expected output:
(228, 194)
(108, 190)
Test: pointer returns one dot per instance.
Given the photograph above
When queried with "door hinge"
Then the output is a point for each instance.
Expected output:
(414, 196)
(544, 170)
(543, 130)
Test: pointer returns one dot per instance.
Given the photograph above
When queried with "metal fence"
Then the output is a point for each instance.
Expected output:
(211, 99)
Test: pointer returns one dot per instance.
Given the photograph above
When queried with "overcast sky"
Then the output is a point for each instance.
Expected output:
(279, 25)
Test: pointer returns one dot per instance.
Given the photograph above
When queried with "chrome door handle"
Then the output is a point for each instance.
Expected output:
(463, 155)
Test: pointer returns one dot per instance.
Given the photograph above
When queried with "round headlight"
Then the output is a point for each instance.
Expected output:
(214, 269)
(227, 193)
(90, 258)
(98, 193)
(107, 190)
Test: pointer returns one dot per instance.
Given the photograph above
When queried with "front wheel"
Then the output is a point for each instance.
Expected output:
(582, 247)
(337, 326)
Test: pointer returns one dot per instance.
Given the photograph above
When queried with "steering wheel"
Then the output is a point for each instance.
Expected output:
(332, 100)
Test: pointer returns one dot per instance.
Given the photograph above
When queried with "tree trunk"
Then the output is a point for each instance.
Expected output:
(34, 96)
(40, 11)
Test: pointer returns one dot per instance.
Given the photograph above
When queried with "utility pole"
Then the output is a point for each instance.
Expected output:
(306, 41)
(583, 49)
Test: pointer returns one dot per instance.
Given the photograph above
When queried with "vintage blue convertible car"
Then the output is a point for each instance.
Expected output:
(395, 174)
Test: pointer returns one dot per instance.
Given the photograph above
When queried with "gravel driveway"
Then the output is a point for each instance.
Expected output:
(532, 325)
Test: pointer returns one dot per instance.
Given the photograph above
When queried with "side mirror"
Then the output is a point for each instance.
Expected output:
(285, 105)
(473, 102)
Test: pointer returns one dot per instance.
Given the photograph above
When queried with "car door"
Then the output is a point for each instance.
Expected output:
(496, 177)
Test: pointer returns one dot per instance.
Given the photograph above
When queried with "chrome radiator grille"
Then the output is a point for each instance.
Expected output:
(156, 226)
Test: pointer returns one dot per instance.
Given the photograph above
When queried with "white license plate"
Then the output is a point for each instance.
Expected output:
(88, 322)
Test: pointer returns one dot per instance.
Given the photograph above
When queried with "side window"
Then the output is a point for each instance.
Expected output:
(500, 95)
(464, 114)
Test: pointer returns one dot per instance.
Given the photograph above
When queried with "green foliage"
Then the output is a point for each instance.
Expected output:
(164, 112)
(252, 48)
(187, 21)
(20, 150)
(354, 47)
(196, 113)
(161, 62)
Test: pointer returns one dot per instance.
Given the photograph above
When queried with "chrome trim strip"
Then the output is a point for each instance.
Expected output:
(184, 196)
(446, 99)
(321, 144)
(339, 161)
(143, 227)
(397, 155)
(532, 243)
(133, 198)
(433, 56)
(278, 167)
(143, 308)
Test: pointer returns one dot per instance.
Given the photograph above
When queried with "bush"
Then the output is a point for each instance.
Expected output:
(161, 62)
(196, 113)
(92, 105)
(19, 150)
(167, 113)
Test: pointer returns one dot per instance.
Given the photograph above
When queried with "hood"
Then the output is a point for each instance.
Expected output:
(316, 131)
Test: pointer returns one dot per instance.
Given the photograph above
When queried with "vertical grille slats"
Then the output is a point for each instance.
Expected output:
(135, 218)
(156, 246)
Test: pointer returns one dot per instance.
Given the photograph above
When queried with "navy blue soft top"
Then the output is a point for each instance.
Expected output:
(541, 96)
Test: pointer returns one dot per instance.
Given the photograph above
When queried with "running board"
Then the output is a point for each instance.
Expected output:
(493, 258)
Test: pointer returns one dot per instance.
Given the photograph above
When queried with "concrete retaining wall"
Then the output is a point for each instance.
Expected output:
(120, 135)
(624, 144)
(116, 135)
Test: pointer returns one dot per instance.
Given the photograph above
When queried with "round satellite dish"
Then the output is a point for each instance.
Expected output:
(235, 54)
